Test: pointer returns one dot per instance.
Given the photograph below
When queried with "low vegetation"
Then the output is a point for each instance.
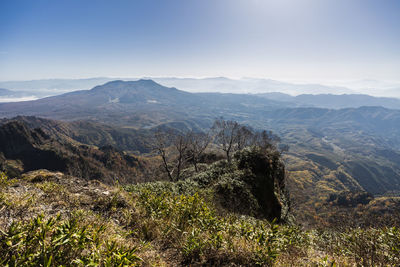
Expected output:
(54, 242)
(50, 219)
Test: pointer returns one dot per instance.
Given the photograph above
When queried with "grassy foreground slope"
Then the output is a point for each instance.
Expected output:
(51, 219)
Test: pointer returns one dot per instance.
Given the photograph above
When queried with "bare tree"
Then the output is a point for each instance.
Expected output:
(266, 140)
(180, 143)
(176, 149)
(172, 147)
(161, 145)
(227, 134)
(245, 137)
(232, 137)
(197, 144)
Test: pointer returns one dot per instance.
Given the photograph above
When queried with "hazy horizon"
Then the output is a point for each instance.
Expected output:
(34, 89)
(288, 80)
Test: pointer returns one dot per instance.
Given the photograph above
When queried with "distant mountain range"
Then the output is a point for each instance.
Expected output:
(145, 103)
(201, 85)
(9, 93)
(334, 101)
(130, 103)
(42, 88)
(248, 85)
(48, 87)
(14, 96)
(5, 92)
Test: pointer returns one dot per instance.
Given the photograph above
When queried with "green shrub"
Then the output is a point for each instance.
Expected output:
(391, 241)
(3, 179)
(55, 242)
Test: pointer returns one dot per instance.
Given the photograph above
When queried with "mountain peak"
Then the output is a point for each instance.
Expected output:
(137, 82)
(120, 84)
(147, 81)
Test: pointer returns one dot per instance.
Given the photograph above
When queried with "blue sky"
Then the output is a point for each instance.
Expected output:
(280, 39)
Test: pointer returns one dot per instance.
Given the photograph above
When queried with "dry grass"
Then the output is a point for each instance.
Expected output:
(171, 229)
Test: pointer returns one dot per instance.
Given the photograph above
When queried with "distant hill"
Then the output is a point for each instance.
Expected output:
(334, 101)
(23, 149)
(5, 92)
(90, 133)
(48, 87)
(9, 93)
(247, 85)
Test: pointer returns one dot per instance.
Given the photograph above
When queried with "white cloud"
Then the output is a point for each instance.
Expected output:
(17, 99)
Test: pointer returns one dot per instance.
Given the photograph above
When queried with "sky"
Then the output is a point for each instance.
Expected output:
(308, 40)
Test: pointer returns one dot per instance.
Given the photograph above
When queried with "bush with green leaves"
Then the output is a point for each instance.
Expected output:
(62, 242)
(174, 223)
(3, 179)
(192, 224)
(364, 246)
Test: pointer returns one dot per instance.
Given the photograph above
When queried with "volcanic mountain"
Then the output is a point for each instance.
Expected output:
(142, 103)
